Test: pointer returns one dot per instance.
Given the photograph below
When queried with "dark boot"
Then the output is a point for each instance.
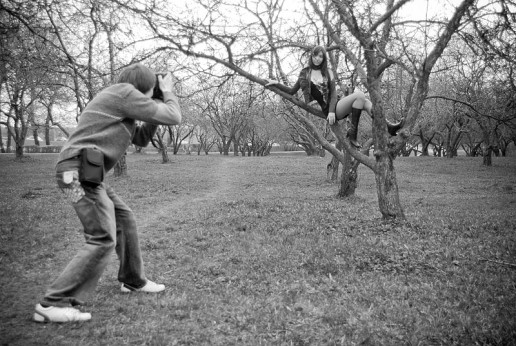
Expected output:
(353, 127)
(394, 128)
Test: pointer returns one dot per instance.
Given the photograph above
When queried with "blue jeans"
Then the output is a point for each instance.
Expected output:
(108, 224)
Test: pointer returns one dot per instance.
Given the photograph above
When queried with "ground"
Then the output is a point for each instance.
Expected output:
(258, 250)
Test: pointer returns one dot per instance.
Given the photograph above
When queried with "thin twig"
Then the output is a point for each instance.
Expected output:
(499, 262)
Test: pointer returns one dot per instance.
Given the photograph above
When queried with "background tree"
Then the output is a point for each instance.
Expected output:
(205, 134)
(381, 44)
(492, 39)
(178, 134)
(160, 143)
(27, 71)
(228, 108)
(373, 45)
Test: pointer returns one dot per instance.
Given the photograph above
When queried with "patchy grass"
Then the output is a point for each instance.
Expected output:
(260, 251)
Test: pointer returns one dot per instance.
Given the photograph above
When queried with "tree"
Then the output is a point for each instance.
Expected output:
(370, 43)
(205, 135)
(300, 134)
(160, 143)
(480, 104)
(177, 134)
(380, 43)
(228, 108)
(493, 39)
(262, 130)
(28, 69)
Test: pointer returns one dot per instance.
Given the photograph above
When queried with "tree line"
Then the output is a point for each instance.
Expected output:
(447, 76)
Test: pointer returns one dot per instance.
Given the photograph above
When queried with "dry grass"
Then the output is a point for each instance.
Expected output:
(259, 251)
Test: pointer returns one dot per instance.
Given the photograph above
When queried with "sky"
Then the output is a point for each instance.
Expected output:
(416, 9)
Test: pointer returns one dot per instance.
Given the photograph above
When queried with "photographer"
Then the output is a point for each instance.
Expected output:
(106, 128)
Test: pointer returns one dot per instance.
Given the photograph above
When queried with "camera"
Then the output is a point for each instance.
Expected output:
(157, 93)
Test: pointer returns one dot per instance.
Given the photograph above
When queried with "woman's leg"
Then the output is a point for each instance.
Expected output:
(346, 104)
(353, 104)
(368, 107)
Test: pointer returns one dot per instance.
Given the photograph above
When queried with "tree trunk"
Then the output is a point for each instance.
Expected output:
(19, 143)
(332, 170)
(348, 180)
(235, 148)
(120, 169)
(19, 151)
(35, 135)
(164, 154)
(163, 148)
(424, 149)
(225, 149)
(9, 140)
(224, 146)
(425, 143)
(450, 153)
(47, 131)
(487, 155)
(387, 188)
(2, 147)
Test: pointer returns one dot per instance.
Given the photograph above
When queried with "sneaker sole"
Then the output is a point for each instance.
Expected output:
(42, 318)
(128, 289)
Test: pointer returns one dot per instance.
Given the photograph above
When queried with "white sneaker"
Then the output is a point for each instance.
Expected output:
(150, 287)
(59, 314)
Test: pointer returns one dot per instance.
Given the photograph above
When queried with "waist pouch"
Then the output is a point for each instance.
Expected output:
(92, 167)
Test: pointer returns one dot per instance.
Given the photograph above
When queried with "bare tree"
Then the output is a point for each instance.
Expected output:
(159, 142)
(205, 135)
(178, 134)
(375, 33)
(368, 40)
(480, 103)
(228, 108)
(26, 72)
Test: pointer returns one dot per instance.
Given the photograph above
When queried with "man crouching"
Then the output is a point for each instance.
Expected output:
(106, 128)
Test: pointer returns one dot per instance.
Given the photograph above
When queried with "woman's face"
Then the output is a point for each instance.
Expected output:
(318, 58)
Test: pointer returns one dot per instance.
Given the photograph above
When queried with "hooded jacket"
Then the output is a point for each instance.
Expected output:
(110, 122)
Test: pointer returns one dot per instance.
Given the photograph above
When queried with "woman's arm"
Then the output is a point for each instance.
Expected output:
(302, 83)
(333, 93)
(333, 99)
(289, 90)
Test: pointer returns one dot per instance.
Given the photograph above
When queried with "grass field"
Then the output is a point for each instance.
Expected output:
(259, 251)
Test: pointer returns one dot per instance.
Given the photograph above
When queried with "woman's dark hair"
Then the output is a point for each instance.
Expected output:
(324, 65)
(138, 75)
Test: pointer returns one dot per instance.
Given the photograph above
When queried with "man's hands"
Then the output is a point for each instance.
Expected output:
(166, 84)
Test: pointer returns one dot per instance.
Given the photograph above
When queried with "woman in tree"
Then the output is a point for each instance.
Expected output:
(318, 86)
